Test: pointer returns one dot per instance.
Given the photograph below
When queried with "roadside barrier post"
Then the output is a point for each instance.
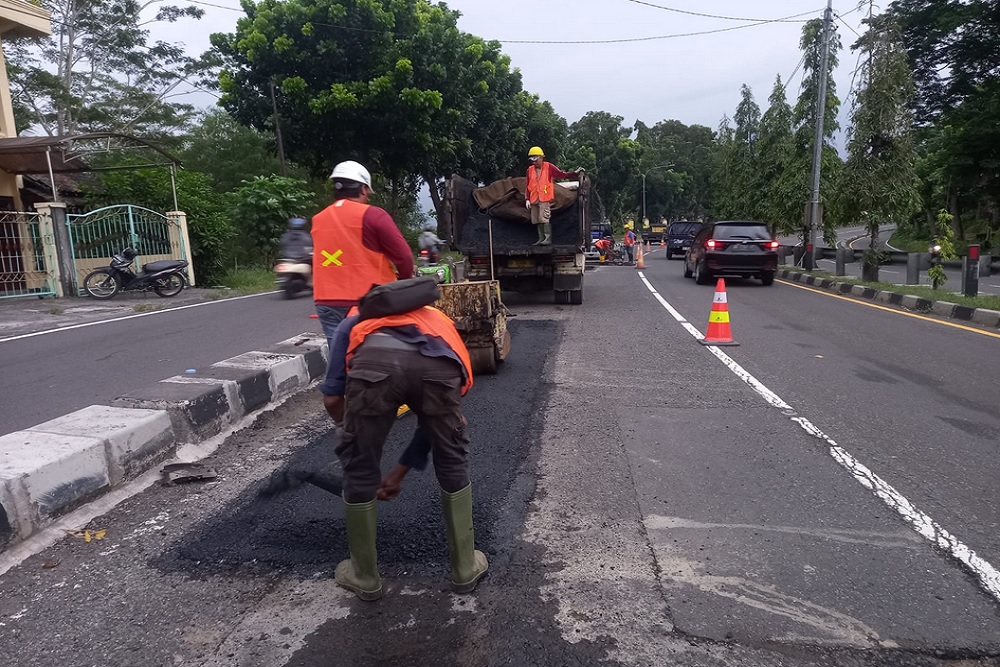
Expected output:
(913, 268)
(842, 261)
(970, 271)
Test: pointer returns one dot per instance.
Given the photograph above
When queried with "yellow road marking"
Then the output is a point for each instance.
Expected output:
(333, 259)
(892, 310)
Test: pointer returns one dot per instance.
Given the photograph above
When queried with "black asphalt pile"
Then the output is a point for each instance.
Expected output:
(515, 235)
(302, 529)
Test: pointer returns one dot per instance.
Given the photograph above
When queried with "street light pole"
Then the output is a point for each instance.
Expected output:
(659, 166)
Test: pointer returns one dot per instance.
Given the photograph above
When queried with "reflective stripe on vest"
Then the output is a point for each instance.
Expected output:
(343, 268)
(429, 321)
(540, 187)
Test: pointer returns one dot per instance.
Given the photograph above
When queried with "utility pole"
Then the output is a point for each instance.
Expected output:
(277, 131)
(815, 208)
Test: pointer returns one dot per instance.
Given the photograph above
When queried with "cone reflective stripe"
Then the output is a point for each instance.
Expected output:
(719, 332)
(640, 260)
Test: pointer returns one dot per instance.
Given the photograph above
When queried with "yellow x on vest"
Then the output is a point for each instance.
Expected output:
(332, 258)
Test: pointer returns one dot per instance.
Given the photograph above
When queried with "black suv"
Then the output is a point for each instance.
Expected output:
(680, 234)
(732, 248)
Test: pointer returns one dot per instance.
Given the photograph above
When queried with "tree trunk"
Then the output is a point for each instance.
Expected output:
(432, 186)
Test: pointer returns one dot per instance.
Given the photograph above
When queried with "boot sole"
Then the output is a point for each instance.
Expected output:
(367, 596)
(470, 586)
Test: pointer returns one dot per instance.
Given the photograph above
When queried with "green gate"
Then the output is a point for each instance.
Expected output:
(24, 258)
(98, 235)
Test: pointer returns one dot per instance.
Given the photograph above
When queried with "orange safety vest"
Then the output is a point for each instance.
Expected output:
(429, 321)
(629, 238)
(540, 187)
(343, 268)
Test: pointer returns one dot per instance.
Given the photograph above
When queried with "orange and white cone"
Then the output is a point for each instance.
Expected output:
(640, 259)
(719, 332)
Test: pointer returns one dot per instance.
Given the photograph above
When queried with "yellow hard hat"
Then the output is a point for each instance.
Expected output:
(535, 150)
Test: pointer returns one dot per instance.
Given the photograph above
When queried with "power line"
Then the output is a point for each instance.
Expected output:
(641, 39)
(212, 4)
(787, 19)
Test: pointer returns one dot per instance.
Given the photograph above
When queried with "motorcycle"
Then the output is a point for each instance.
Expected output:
(428, 264)
(165, 277)
(294, 276)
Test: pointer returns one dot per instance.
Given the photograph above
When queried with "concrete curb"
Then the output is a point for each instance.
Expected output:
(944, 309)
(55, 467)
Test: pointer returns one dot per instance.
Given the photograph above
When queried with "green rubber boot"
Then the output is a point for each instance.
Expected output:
(359, 573)
(467, 565)
(541, 234)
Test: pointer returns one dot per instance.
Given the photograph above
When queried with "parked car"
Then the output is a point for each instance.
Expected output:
(732, 248)
(680, 234)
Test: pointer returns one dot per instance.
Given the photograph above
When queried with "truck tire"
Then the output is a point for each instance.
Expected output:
(484, 360)
(576, 297)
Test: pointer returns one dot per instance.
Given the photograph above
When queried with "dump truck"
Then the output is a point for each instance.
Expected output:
(492, 229)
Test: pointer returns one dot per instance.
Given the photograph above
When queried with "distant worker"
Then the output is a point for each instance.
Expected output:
(629, 240)
(416, 358)
(296, 243)
(429, 241)
(540, 191)
(355, 246)
(603, 245)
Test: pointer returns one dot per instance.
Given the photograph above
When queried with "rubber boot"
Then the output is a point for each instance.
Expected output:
(541, 234)
(467, 565)
(547, 230)
(359, 573)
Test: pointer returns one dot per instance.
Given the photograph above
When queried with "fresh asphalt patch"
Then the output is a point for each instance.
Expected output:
(303, 531)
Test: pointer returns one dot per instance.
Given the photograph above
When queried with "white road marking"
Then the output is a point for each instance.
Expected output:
(987, 575)
(129, 317)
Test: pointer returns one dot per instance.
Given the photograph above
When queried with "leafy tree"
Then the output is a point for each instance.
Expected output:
(879, 181)
(804, 118)
(392, 83)
(230, 153)
(100, 71)
(261, 208)
(942, 239)
(599, 143)
(780, 193)
(683, 190)
(738, 161)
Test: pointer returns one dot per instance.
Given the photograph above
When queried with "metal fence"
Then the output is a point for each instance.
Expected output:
(98, 235)
(24, 258)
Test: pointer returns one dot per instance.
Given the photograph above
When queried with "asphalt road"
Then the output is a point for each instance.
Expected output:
(641, 504)
(50, 375)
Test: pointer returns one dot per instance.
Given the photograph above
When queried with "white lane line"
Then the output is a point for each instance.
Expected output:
(129, 317)
(987, 575)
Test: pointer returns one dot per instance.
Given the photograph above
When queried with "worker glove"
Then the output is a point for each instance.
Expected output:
(527, 204)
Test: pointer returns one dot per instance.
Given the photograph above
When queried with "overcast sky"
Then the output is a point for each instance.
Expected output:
(694, 79)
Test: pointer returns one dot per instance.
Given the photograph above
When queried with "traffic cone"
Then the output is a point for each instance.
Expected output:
(314, 316)
(718, 321)
(640, 260)
(662, 243)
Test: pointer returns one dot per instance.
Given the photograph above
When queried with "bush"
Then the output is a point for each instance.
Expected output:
(260, 212)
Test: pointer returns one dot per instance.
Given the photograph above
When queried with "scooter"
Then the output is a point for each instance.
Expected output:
(165, 277)
(428, 264)
(294, 276)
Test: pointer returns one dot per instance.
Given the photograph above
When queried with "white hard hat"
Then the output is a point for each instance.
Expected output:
(353, 171)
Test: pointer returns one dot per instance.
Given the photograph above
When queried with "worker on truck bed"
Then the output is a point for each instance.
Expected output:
(355, 247)
(377, 364)
(540, 190)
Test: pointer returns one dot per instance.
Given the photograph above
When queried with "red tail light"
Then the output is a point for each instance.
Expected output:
(772, 245)
(480, 260)
(424, 253)
(712, 244)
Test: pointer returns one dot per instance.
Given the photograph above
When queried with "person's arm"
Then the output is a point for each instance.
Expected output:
(380, 233)
(333, 386)
(556, 172)
(415, 455)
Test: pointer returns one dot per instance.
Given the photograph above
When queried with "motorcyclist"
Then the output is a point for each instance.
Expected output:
(296, 243)
(429, 241)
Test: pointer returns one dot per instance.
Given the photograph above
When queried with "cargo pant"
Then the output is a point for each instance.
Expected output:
(386, 373)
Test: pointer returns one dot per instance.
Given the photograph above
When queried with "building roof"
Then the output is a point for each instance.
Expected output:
(63, 155)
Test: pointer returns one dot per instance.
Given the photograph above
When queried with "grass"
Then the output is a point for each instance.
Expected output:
(941, 294)
(249, 280)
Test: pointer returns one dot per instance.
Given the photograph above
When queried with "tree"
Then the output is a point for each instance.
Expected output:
(599, 143)
(230, 153)
(738, 177)
(392, 83)
(804, 118)
(780, 194)
(879, 181)
(261, 208)
(99, 70)
(685, 189)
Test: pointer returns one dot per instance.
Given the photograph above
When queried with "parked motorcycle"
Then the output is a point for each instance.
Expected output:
(165, 277)
(294, 276)
(429, 264)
